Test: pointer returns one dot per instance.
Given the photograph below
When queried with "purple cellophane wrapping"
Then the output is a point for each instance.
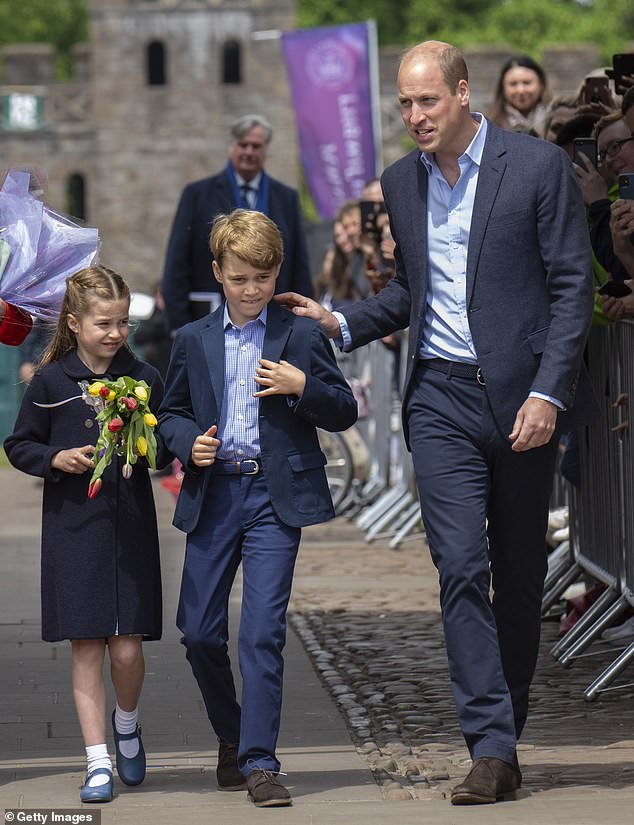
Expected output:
(44, 248)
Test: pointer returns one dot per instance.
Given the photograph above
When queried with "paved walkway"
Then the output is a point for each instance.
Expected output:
(386, 751)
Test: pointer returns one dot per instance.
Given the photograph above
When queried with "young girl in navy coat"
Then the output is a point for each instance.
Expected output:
(101, 579)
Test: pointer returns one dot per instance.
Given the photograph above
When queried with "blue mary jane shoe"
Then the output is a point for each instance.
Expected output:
(131, 771)
(97, 793)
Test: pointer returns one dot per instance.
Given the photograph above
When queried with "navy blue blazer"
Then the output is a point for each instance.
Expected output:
(529, 284)
(188, 257)
(292, 460)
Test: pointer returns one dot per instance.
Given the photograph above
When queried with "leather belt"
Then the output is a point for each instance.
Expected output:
(456, 368)
(248, 467)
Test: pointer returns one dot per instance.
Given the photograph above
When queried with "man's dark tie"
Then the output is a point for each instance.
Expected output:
(249, 194)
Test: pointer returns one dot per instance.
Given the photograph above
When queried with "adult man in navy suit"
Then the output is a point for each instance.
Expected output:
(189, 288)
(494, 279)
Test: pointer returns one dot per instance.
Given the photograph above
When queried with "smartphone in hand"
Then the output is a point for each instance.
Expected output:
(626, 186)
(622, 66)
(587, 147)
(597, 90)
(615, 289)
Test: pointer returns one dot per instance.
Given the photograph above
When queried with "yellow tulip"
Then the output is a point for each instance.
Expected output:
(94, 389)
(112, 395)
(141, 445)
(150, 420)
(141, 393)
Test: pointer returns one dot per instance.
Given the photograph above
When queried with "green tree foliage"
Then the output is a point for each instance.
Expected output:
(525, 25)
(60, 22)
(391, 15)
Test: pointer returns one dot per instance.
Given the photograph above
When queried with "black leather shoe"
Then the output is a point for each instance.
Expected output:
(228, 774)
(265, 790)
(488, 780)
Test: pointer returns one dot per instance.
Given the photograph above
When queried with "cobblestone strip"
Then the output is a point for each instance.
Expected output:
(369, 621)
(384, 680)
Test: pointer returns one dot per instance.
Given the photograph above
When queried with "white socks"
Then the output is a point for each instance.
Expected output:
(125, 722)
(97, 757)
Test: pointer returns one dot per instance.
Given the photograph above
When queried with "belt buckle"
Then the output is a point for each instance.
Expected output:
(479, 378)
(250, 472)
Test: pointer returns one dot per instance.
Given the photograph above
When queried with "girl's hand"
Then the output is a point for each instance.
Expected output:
(279, 379)
(76, 460)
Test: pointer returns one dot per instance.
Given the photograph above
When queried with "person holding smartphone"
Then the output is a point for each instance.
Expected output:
(615, 145)
(621, 222)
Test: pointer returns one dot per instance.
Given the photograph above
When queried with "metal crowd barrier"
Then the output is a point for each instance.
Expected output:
(385, 503)
(601, 510)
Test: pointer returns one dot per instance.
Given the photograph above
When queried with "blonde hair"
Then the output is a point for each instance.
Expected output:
(94, 283)
(250, 236)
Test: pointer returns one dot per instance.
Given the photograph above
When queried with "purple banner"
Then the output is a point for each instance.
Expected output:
(331, 72)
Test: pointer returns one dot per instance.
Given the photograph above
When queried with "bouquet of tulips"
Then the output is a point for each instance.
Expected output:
(127, 426)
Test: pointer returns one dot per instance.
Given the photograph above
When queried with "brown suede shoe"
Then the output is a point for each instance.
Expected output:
(228, 774)
(265, 790)
(488, 780)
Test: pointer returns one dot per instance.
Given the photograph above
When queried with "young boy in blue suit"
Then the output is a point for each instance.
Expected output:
(246, 389)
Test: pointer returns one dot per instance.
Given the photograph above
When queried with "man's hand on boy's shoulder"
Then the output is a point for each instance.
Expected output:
(299, 305)
(279, 379)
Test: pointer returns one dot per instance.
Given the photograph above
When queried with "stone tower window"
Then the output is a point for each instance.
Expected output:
(156, 60)
(232, 62)
(76, 196)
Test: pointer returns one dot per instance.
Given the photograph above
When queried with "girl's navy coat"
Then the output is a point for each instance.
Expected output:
(100, 558)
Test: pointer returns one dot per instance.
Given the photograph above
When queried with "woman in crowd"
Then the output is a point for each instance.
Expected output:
(521, 96)
(334, 286)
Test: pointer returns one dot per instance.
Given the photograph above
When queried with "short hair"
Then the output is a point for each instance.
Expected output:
(249, 235)
(451, 61)
(578, 126)
(347, 208)
(244, 124)
(560, 102)
(605, 121)
(628, 100)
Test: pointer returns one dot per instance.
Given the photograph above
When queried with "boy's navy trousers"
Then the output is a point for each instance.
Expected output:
(238, 524)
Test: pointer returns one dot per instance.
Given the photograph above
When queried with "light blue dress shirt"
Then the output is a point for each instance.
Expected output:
(446, 333)
(238, 428)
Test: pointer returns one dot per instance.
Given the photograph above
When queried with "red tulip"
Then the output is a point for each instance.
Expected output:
(115, 424)
(94, 488)
(104, 391)
(131, 403)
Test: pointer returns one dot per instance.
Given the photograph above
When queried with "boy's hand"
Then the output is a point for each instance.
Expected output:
(205, 448)
(76, 460)
(279, 379)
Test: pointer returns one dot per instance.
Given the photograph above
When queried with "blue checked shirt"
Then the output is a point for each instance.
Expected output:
(238, 428)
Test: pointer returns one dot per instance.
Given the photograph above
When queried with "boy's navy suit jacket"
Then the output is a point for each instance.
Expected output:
(292, 460)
